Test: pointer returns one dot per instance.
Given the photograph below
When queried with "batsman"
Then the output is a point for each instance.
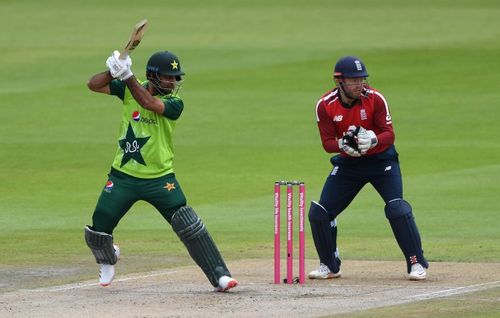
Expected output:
(354, 121)
(142, 168)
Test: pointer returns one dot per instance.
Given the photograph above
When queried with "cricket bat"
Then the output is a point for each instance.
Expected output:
(135, 39)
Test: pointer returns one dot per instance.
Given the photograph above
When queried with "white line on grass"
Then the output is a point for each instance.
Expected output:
(455, 291)
(89, 284)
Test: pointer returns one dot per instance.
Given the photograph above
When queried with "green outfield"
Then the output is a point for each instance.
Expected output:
(254, 71)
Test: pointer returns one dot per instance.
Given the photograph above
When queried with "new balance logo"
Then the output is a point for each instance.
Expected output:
(338, 118)
(334, 171)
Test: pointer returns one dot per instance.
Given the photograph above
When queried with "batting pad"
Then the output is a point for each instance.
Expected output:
(101, 245)
(200, 245)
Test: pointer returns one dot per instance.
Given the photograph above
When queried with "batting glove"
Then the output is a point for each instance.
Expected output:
(119, 68)
(366, 140)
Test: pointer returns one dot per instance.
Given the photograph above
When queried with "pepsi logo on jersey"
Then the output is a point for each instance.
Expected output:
(136, 116)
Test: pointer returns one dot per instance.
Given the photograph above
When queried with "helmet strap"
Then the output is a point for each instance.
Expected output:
(155, 81)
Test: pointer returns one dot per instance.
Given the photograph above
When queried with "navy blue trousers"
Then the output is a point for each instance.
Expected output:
(349, 175)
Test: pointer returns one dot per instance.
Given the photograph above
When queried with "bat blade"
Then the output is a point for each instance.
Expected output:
(135, 38)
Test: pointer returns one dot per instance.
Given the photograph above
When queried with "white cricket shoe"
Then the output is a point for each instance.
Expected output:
(107, 271)
(417, 272)
(226, 283)
(106, 274)
(323, 272)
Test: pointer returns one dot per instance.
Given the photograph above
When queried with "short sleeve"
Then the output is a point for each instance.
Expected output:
(117, 88)
(173, 107)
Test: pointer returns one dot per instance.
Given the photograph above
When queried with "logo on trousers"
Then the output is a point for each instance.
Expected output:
(335, 170)
(109, 186)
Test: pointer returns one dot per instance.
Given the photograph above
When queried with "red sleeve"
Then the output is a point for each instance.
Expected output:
(326, 127)
(382, 121)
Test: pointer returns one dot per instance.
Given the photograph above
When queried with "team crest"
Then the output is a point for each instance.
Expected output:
(169, 186)
(362, 113)
(359, 67)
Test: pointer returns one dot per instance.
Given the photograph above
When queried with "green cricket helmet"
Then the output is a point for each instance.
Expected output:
(168, 64)
(164, 63)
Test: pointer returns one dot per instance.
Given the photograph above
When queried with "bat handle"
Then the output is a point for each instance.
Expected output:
(123, 55)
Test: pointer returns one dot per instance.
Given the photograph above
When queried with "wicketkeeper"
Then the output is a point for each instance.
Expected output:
(142, 168)
(354, 121)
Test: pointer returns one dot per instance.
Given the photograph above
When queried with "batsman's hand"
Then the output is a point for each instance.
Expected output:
(367, 139)
(119, 69)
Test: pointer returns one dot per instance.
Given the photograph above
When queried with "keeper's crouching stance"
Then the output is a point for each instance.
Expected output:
(143, 165)
(354, 121)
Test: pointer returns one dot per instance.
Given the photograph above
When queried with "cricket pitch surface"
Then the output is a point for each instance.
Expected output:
(185, 292)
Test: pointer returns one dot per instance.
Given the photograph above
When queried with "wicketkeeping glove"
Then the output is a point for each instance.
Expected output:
(348, 143)
(366, 140)
(119, 68)
(349, 137)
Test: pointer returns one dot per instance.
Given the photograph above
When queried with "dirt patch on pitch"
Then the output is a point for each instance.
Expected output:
(185, 292)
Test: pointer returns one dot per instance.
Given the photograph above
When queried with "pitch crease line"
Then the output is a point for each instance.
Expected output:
(456, 291)
(83, 285)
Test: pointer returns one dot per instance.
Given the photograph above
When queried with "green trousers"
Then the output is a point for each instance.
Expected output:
(122, 191)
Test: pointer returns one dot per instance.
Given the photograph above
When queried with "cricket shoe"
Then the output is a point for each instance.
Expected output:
(417, 272)
(107, 271)
(226, 283)
(323, 272)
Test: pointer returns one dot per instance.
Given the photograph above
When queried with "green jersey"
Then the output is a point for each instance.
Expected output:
(145, 147)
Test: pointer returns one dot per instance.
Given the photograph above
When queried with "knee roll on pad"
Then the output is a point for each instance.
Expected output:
(101, 245)
(397, 208)
(200, 245)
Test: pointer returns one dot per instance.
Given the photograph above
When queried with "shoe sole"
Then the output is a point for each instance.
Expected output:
(417, 278)
(330, 276)
(233, 283)
(107, 284)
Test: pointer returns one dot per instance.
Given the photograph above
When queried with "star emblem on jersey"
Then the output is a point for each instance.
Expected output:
(170, 186)
(174, 64)
(131, 146)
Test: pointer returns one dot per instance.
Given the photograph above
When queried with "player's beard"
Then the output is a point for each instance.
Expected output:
(161, 90)
(354, 95)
